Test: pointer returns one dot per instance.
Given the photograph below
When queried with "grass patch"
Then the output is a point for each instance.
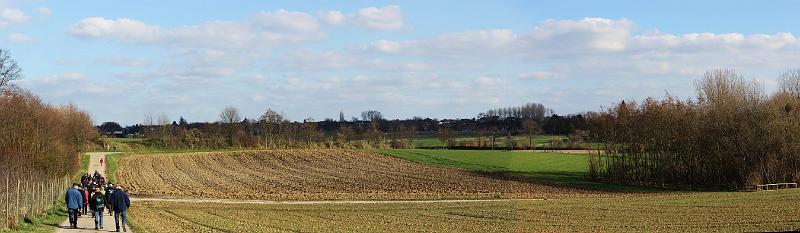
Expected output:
(563, 169)
(85, 158)
(111, 166)
(48, 222)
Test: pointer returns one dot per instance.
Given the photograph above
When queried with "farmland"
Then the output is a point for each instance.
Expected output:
(556, 168)
(317, 175)
(696, 212)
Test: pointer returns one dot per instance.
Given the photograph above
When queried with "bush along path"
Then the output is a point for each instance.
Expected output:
(86, 222)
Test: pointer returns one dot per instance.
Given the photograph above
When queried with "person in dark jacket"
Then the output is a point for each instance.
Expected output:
(74, 202)
(109, 193)
(83, 197)
(120, 202)
(98, 204)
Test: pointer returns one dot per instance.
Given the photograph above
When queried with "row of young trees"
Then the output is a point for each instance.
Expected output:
(40, 145)
(732, 136)
(535, 111)
(270, 130)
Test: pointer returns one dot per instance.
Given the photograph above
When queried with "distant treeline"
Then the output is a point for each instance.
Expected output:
(731, 136)
(272, 130)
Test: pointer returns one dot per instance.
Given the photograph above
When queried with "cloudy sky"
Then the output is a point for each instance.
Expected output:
(440, 59)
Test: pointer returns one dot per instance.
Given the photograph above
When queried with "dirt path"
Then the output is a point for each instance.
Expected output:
(86, 222)
(584, 152)
(267, 202)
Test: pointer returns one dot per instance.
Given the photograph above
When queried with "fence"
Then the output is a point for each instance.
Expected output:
(29, 198)
(775, 186)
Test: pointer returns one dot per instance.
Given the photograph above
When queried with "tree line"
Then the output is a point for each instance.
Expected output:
(371, 130)
(731, 136)
(40, 145)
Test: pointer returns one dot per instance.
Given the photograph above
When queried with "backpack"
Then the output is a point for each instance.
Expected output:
(99, 203)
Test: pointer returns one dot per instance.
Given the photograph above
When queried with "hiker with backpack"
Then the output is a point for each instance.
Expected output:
(98, 203)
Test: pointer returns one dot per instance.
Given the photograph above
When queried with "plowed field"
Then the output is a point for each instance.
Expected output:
(693, 212)
(315, 175)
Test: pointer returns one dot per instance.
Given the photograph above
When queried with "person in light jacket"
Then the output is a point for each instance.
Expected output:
(74, 201)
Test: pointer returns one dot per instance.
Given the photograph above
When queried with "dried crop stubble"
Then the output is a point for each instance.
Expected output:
(687, 212)
(314, 175)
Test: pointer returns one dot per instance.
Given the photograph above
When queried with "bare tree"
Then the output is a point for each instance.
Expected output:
(230, 115)
(271, 124)
(230, 118)
(532, 128)
(9, 70)
(446, 136)
(790, 82)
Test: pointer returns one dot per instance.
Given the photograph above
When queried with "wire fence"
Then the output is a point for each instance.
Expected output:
(22, 198)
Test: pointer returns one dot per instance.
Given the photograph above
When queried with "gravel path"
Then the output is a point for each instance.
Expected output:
(86, 222)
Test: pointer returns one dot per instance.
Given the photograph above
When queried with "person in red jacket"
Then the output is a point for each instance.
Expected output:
(101, 162)
(86, 200)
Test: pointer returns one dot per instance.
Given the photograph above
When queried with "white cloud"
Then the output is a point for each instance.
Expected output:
(18, 38)
(589, 33)
(590, 38)
(264, 30)
(45, 11)
(123, 29)
(9, 17)
(283, 20)
(548, 39)
(487, 81)
(388, 18)
(384, 18)
(314, 60)
(454, 44)
(541, 75)
(335, 18)
(61, 79)
(125, 61)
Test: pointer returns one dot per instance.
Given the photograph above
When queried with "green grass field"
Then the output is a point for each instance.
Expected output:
(566, 169)
(685, 212)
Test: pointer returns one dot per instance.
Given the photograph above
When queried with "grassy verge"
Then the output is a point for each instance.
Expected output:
(562, 169)
(56, 214)
(85, 158)
(112, 165)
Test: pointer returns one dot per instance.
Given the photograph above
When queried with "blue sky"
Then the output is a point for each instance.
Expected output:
(442, 59)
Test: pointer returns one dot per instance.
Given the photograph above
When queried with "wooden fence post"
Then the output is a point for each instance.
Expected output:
(42, 198)
(32, 199)
(7, 199)
(16, 206)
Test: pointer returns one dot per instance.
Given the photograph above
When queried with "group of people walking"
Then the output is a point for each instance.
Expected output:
(95, 195)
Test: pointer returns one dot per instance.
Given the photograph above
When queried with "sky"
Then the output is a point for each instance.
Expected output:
(121, 61)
